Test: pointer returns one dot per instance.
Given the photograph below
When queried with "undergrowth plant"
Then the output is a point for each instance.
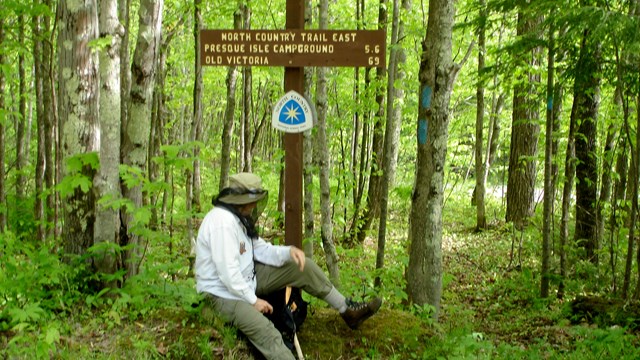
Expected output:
(37, 288)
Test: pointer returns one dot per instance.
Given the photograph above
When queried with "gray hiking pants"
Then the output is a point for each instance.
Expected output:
(260, 331)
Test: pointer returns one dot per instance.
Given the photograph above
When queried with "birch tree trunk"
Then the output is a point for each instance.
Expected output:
(107, 180)
(326, 226)
(79, 113)
(136, 137)
(437, 75)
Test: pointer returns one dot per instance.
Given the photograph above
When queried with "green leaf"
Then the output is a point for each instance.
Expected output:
(53, 336)
(100, 43)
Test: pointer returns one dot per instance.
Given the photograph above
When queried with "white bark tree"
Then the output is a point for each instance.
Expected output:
(107, 180)
(136, 131)
(395, 97)
(78, 112)
(326, 226)
(437, 75)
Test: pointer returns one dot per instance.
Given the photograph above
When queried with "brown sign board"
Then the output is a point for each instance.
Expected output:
(293, 48)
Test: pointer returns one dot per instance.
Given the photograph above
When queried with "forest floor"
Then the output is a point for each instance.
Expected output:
(490, 309)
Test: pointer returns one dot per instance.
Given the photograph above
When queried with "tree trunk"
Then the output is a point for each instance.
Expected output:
(631, 191)
(587, 99)
(136, 137)
(620, 182)
(496, 109)
(3, 217)
(605, 183)
(481, 220)
(247, 100)
(21, 141)
(392, 131)
(192, 174)
(39, 80)
(156, 137)
(569, 177)
(326, 226)
(45, 205)
(634, 203)
(125, 70)
(107, 180)
(229, 113)
(307, 174)
(79, 112)
(547, 221)
(524, 136)
(357, 126)
(437, 75)
(372, 209)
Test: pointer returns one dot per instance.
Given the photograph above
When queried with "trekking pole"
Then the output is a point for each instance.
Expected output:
(296, 343)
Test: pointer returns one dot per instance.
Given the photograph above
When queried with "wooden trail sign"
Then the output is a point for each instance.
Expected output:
(294, 48)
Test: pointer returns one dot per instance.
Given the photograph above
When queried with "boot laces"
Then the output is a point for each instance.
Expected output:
(354, 305)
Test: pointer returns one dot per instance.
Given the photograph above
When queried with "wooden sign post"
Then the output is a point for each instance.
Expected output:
(294, 48)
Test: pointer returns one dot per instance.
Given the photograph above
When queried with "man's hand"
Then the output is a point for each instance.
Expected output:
(298, 257)
(263, 306)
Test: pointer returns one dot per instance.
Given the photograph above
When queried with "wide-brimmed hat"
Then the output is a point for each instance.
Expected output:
(244, 188)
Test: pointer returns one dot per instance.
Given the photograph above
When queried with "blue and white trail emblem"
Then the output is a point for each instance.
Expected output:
(292, 113)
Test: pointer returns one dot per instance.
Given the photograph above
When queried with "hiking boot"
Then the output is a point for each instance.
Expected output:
(357, 312)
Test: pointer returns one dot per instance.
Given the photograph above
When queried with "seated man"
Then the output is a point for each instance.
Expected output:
(234, 267)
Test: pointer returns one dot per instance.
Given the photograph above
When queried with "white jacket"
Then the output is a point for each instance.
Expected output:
(225, 257)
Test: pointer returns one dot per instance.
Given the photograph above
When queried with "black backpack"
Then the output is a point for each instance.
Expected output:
(288, 316)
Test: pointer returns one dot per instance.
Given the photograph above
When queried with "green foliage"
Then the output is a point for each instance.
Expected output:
(613, 343)
(101, 43)
(37, 288)
(79, 169)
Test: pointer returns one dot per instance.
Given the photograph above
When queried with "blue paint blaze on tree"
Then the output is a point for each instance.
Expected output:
(423, 125)
(422, 131)
(426, 97)
(550, 103)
